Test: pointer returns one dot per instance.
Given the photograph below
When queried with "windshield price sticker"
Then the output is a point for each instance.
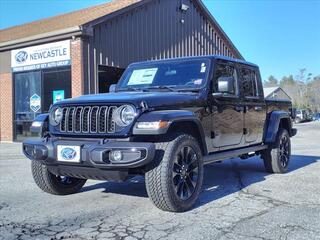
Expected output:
(142, 76)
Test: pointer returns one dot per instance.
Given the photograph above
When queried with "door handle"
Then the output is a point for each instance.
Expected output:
(258, 108)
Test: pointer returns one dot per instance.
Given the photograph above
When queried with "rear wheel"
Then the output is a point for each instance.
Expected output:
(175, 181)
(277, 157)
(54, 184)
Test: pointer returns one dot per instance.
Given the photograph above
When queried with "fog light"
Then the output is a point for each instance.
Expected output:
(115, 155)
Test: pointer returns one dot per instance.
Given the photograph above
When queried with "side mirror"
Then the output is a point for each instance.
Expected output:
(225, 85)
(112, 88)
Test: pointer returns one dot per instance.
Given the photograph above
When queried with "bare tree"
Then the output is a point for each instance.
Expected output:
(304, 89)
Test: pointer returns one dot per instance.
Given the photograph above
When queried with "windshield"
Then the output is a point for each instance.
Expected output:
(170, 75)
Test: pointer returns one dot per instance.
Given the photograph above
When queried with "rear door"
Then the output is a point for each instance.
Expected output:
(255, 112)
(227, 118)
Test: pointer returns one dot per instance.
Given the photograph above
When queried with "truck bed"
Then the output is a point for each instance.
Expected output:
(278, 104)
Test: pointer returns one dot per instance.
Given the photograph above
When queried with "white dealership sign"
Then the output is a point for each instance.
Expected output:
(42, 56)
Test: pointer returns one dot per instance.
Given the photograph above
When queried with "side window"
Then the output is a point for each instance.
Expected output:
(226, 80)
(249, 83)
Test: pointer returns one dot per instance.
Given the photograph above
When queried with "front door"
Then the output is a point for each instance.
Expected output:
(228, 111)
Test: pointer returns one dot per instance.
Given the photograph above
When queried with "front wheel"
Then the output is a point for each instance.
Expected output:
(277, 157)
(174, 182)
(57, 185)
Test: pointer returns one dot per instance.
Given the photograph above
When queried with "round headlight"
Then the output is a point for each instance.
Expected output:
(55, 116)
(125, 115)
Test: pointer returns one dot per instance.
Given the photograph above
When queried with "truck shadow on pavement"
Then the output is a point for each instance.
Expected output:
(220, 179)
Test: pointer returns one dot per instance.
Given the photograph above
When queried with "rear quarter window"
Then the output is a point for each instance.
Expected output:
(249, 82)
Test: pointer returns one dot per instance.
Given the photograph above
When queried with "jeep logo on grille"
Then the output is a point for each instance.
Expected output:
(68, 153)
(21, 57)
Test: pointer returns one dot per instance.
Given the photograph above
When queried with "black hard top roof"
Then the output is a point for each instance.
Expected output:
(217, 57)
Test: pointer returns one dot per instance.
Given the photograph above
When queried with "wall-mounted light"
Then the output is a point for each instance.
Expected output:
(184, 7)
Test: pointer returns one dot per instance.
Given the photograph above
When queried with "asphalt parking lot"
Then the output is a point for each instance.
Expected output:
(239, 201)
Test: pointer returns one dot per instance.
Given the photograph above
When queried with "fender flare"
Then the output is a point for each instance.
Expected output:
(273, 124)
(43, 124)
(171, 116)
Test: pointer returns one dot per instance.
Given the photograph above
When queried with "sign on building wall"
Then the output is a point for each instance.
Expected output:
(57, 96)
(42, 56)
(35, 102)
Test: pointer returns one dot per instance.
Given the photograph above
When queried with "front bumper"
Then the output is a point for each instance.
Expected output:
(94, 156)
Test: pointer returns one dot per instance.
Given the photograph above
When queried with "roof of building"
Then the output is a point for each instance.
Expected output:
(72, 19)
(268, 91)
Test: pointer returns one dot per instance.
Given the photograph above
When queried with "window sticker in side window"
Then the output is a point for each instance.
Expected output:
(142, 76)
(197, 81)
(203, 68)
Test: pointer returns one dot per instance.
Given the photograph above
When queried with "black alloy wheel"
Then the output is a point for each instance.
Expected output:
(175, 178)
(185, 172)
(65, 180)
(284, 151)
(276, 157)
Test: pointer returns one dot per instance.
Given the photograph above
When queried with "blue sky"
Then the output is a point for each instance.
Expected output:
(281, 36)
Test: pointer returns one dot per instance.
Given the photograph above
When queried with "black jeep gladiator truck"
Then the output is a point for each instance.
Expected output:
(165, 120)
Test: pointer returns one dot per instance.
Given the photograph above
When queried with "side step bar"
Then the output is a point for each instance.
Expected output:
(219, 156)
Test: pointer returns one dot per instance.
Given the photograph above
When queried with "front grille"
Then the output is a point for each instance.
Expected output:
(88, 119)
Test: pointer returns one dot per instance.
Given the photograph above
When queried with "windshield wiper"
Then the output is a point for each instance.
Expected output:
(130, 89)
(145, 89)
(188, 90)
(162, 87)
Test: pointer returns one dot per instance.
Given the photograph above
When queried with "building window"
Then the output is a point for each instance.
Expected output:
(26, 85)
(34, 92)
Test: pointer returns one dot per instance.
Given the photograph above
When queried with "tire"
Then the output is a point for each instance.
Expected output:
(175, 180)
(277, 157)
(53, 184)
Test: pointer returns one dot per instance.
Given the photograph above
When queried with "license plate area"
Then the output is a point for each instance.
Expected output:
(68, 153)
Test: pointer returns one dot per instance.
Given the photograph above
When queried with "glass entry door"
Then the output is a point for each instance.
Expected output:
(27, 96)
(34, 92)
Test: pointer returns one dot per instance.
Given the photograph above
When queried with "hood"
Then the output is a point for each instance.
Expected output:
(153, 99)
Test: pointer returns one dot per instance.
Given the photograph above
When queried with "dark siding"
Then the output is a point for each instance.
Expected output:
(152, 31)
